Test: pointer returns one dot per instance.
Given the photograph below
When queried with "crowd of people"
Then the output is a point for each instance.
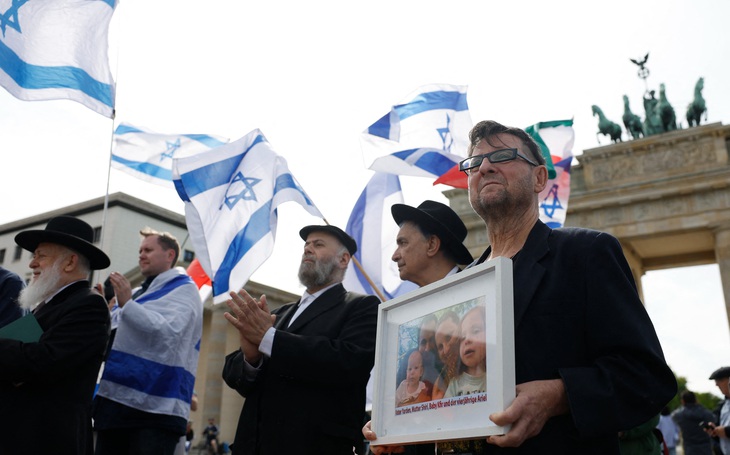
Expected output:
(588, 364)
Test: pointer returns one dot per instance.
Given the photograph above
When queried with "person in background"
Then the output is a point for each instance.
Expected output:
(146, 389)
(692, 419)
(641, 440)
(669, 430)
(10, 287)
(46, 386)
(721, 429)
(211, 435)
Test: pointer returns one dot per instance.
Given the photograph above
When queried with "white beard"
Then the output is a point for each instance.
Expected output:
(41, 287)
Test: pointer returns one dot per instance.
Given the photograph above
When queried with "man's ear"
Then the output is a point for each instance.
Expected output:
(345, 259)
(541, 178)
(170, 256)
(434, 245)
(71, 262)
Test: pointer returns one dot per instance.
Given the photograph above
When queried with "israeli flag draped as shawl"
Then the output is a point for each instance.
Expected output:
(231, 194)
(154, 358)
(148, 156)
(57, 49)
(425, 135)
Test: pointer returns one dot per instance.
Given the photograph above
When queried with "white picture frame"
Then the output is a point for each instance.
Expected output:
(452, 417)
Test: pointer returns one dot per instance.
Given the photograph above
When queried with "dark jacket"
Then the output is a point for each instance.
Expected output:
(309, 397)
(46, 387)
(578, 317)
(694, 439)
(10, 286)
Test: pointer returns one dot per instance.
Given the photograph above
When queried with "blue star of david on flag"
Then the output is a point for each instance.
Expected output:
(245, 194)
(169, 152)
(10, 17)
(57, 49)
(552, 202)
(446, 137)
(231, 244)
(426, 135)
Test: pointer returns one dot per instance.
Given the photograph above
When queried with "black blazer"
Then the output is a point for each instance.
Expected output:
(46, 387)
(309, 396)
(578, 317)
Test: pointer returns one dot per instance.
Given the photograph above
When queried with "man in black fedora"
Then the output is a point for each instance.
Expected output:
(303, 371)
(429, 242)
(46, 386)
(430, 246)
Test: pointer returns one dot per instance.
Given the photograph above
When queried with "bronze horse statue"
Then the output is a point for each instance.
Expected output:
(666, 111)
(632, 122)
(606, 126)
(697, 106)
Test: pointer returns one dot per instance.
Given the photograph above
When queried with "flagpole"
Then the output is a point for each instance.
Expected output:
(104, 211)
(364, 273)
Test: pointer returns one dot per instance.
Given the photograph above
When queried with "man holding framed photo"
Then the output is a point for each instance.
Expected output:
(588, 363)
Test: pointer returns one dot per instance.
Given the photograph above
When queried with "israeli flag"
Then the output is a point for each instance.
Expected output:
(231, 195)
(425, 135)
(554, 198)
(373, 228)
(148, 156)
(57, 49)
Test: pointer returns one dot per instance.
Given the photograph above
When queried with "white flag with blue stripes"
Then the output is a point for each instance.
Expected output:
(148, 156)
(373, 228)
(425, 135)
(231, 194)
(57, 49)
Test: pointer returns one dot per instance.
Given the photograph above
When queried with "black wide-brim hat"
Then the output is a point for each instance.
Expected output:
(440, 220)
(341, 235)
(70, 232)
(720, 373)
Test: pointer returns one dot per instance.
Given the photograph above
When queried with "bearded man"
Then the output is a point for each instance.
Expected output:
(46, 387)
(304, 368)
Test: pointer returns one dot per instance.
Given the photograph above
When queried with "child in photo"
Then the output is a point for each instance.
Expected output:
(412, 389)
(472, 377)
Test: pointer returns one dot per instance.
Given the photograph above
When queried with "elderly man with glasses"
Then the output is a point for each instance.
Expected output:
(588, 363)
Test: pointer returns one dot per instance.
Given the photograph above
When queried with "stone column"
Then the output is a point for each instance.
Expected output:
(637, 269)
(722, 254)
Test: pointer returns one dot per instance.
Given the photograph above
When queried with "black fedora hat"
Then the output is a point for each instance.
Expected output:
(341, 235)
(440, 220)
(70, 232)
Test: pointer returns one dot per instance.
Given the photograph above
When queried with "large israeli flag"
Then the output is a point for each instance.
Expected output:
(231, 195)
(148, 156)
(425, 135)
(57, 49)
(373, 228)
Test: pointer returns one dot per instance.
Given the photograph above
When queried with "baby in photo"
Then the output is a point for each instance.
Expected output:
(412, 389)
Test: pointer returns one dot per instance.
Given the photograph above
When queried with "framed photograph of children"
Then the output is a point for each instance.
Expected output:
(444, 358)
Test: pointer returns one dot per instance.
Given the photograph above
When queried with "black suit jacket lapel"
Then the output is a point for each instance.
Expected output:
(527, 270)
(62, 296)
(283, 318)
(321, 304)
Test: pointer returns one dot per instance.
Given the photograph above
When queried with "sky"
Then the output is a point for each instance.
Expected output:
(313, 75)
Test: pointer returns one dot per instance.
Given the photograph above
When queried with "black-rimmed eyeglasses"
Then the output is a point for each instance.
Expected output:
(498, 156)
